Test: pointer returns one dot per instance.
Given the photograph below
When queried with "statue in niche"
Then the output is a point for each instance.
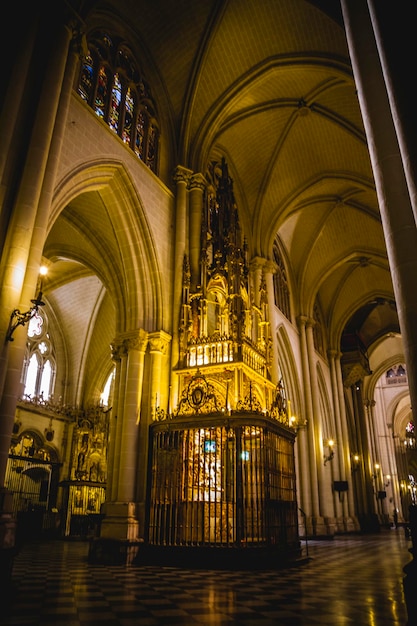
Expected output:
(81, 470)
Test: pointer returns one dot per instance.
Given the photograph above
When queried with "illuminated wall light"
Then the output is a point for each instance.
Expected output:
(330, 455)
(17, 318)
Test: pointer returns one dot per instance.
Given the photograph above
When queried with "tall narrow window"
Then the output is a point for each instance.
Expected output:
(105, 395)
(116, 96)
(32, 376)
(39, 367)
(101, 95)
(129, 113)
(45, 385)
(281, 289)
(86, 81)
(318, 331)
(140, 134)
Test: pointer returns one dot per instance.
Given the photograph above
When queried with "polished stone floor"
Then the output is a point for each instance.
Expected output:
(349, 580)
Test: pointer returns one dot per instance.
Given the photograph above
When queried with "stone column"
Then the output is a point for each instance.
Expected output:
(339, 462)
(120, 520)
(343, 503)
(119, 354)
(22, 250)
(306, 443)
(13, 98)
(181, 177)
(325, 522)
(369, 521)
(351, 519)
(375, 34)
(20, 267)
(158, 382)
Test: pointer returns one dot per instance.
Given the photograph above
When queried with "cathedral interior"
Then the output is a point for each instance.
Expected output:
(207, 298)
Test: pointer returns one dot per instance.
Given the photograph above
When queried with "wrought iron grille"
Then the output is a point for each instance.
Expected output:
(222, 484)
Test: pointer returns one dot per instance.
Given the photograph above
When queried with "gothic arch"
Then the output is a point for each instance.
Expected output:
(109, 185)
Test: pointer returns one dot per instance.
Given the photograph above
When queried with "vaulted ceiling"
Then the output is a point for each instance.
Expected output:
(269, 85)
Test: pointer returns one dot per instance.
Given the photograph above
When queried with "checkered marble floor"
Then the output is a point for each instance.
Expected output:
(355, 580)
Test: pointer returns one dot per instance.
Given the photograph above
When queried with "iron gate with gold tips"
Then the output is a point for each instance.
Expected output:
(222, 483)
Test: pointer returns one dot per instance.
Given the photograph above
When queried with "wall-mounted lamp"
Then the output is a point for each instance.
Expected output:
(388, 480)
(329, 456)
(355, 459)
(21, 319)
(377, 467)
(297, 424)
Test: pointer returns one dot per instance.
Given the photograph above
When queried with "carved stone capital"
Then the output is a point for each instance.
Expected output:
(159, 341)
(270, 267)
(302, 321)
(257, 263)
(197, 181)
(135, 340)
(118, 349)
(182, 174)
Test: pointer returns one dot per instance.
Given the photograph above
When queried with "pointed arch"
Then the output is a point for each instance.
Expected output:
(128, 255)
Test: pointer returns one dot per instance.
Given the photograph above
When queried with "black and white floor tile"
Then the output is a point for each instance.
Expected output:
(349, 580)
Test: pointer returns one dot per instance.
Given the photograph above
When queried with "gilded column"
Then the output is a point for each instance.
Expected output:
(269, 270)
(197, 186)
(256, 265)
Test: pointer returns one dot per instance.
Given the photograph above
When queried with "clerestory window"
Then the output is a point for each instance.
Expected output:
(281, 287)
(112, 85)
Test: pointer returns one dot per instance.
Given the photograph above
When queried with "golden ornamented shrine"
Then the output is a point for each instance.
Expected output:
(221, 466)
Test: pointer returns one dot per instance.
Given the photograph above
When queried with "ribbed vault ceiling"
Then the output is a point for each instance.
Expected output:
(269, 85)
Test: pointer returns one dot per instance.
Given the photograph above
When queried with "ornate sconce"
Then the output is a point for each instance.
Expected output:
(17, 318)
(297, 424)
(330, 454)
(21, 319)
(388, 480)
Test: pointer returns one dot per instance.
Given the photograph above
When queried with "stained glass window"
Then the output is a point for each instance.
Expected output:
(116, 96)
(129, 112)
(281, 288)
(86, 81)
(140, 134)
(101, 96)
(112, 84)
